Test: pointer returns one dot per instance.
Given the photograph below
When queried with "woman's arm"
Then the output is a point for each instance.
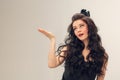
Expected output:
(101, 77)
(104, 67)
(53, 59)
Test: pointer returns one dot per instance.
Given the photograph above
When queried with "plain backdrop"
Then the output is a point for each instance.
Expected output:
(24, 51)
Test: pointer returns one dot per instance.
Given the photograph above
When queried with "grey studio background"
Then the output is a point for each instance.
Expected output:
(24, 51)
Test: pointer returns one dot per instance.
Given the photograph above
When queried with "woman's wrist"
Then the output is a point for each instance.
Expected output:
(53, 39)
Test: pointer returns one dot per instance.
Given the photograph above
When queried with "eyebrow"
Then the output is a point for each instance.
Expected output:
(73, 27)
(80, 24)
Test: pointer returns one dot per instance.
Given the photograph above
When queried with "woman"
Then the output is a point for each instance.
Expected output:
(83, 53)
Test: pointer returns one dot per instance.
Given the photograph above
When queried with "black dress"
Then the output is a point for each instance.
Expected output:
(77, 69)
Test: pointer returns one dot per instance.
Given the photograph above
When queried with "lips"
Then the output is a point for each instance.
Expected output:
(80, 34)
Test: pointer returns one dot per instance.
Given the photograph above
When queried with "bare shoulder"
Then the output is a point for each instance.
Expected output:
(63, 51)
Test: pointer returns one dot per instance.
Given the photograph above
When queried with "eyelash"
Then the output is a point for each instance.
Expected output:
(79, 26)
(74, 28)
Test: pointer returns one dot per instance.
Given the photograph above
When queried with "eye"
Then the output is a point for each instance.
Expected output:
(81, 25)
(74, 28)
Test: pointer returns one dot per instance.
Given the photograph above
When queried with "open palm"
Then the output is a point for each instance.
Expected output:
(46, 33)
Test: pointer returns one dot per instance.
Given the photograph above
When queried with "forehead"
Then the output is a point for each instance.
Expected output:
(78, 22)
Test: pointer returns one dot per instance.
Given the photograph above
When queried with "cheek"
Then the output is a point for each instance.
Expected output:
(75, 32)
(86, 31)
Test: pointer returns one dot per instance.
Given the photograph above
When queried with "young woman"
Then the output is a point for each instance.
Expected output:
(83, 54)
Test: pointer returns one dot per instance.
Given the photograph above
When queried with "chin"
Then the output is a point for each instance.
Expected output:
(83, 39)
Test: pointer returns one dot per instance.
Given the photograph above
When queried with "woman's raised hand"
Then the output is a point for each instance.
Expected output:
(46, 33)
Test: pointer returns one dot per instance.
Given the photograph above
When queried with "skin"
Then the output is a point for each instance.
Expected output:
(81, 32)
(80, 27)
(53, 60)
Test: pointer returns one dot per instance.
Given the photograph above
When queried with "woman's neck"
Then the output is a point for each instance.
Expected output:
(86, 43)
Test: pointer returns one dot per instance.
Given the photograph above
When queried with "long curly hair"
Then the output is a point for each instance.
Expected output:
(75, 46)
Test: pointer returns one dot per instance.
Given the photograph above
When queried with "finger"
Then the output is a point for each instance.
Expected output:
(40, 29)
(43, 31)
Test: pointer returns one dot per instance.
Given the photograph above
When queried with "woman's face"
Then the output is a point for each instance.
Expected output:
(80, 30)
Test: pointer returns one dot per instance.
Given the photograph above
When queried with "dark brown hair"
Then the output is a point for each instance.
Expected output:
(75, 46)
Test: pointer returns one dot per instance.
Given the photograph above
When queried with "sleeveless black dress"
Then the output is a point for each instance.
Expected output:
(77, 69)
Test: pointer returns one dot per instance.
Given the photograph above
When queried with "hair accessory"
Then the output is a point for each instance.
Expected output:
(86, 13)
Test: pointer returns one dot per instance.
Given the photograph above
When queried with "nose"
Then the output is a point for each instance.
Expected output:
(79, 30)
